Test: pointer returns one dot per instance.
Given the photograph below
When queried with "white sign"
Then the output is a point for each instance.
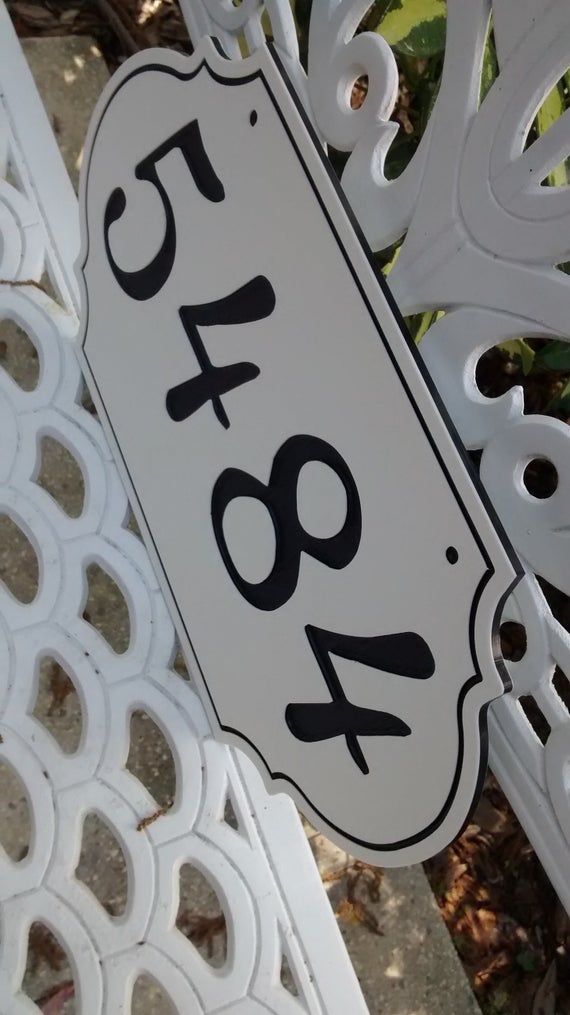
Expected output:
(333, 573)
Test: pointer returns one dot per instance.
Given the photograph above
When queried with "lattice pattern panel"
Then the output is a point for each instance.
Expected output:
(284, 953)
(483, 239)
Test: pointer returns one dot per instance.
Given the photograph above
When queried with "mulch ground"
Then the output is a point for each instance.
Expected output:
(507, 924)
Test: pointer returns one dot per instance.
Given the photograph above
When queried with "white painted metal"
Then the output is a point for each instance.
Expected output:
(495, 295)
(482, 241)
(399, 618)
(264, 874)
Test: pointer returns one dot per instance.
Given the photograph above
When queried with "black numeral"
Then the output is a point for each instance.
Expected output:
(280, 499)
(407, 655)
(148, 281)
(251, 302)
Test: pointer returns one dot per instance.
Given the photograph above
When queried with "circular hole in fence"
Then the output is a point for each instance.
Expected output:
(102, 866)
(57, 706)
(48, 978)
(19, 566)
(15, 819)
(18, 355)
(150, 998)
(200, 916)
(106, 609)
(536, 718)
(513, 641)
(229, 815)
(287, 977)
(359, 92)
(60, 475)
(540, 478)
(178, 664)
(150, 759)
(561, 685)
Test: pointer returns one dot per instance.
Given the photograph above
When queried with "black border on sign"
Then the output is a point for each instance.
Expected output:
(519, 572)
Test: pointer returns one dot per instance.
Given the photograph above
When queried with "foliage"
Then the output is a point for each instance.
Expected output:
(509, 928)
(415, 28)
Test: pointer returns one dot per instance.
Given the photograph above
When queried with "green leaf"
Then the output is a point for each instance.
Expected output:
(415, 27)
(551, 110)
(518, 347)
(418, 324)
(555, 356)
(425, 324)
(390, 264)
(490, 68)
(376, 12)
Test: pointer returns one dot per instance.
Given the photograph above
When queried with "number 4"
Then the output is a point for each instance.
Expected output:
(407, 655)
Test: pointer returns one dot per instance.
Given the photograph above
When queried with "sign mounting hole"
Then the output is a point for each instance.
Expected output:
(513, 641)
(452, 554)
(540, 478)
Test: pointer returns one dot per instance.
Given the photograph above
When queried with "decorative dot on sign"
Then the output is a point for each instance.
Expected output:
(452, 555)
(253, 118)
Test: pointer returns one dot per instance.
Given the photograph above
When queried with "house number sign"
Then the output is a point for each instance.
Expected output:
(333, 572)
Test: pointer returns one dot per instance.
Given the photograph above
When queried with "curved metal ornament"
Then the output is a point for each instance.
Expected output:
(337, 602)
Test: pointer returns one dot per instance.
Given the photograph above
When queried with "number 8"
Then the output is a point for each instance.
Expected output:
(280, 499)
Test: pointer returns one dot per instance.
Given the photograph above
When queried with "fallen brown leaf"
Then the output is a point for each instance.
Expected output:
(354, 912)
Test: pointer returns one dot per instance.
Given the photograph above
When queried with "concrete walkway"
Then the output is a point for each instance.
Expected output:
(401, 950)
